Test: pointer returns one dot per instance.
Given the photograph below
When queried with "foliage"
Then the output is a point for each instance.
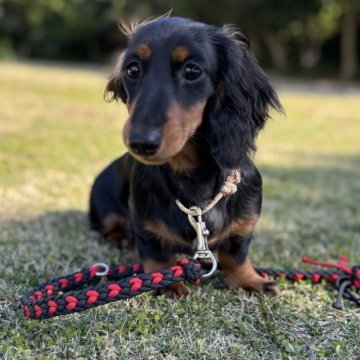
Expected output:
(61, 29)
(290, 37)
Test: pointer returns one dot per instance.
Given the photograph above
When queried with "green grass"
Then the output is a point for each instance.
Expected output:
(56, 134)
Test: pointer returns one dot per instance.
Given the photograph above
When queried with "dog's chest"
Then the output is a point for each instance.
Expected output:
(162, 217)
(175, 229)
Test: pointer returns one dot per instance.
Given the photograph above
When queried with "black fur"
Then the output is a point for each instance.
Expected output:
(238, 96)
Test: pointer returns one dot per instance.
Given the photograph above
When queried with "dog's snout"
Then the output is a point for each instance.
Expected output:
(145, 143)
(144, 148)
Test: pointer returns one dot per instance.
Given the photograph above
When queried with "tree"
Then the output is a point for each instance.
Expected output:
(348, 45)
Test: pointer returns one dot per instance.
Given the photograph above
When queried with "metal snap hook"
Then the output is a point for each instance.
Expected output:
(202, 233)
(207, 254)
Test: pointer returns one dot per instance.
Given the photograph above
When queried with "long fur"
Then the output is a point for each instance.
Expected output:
(242, 101)
(238, 97)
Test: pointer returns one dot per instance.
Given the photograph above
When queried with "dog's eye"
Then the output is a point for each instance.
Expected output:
(192, 72)
(133, 70)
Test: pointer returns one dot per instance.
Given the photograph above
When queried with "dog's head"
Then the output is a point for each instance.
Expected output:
(178, 77)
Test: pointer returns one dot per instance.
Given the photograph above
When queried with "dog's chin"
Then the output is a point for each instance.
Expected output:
(150, 160)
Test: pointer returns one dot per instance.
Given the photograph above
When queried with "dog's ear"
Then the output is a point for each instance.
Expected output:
(114, 88)
(242, 100)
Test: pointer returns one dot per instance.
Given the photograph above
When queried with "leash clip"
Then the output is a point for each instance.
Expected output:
(202, 233)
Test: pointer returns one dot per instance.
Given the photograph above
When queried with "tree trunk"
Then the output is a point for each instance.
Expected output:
(276, 49)
(348, 48)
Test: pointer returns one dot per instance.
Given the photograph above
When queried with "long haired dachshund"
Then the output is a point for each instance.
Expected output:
(196, 99)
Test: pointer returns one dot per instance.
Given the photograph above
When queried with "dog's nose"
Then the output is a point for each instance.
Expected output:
(145, 143)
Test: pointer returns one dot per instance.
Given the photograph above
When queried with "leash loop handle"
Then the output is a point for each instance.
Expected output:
(103, 266)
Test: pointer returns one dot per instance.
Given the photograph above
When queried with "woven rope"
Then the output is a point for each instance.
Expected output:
(60, 297)
(228, 188)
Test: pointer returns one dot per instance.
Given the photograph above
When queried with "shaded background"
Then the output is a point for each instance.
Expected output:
(308, 38)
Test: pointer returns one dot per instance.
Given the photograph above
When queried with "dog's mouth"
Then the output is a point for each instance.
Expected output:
(172, 146)
(162, 156)
(150, 159)
(185, 160)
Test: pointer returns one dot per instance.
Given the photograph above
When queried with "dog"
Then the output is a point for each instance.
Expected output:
(196, 99)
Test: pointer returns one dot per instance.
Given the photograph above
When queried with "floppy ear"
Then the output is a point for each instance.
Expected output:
(114, 88)
(240, 106)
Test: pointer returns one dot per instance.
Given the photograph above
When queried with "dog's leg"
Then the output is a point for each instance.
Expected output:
(176, 290)
(108, 204)
(155, 257)
(238, 270)
(116, 229)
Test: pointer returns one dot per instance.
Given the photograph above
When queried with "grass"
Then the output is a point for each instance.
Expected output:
(56, 134)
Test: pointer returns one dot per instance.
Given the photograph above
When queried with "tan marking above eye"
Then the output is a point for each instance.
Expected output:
(144, 52)
(180, 53)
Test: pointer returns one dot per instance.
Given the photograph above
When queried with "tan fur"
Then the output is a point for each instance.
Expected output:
(181, 124)
(144, 52)
(111, 222)
(186, 159)
(126, 127)
(176, 290)
(130, 106)
(242, 276)
(126, 132)
(116, 228)
(153, 266)
(165, 233)
(239, 227)
(180, 53)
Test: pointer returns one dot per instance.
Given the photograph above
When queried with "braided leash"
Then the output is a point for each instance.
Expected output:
(343, 278)
(58, 297)
(46, 301)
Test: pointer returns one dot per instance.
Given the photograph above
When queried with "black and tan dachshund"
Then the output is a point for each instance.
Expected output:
(196, 99)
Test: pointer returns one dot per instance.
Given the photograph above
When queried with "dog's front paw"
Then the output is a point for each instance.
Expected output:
(245, 276)
(270, 288)
(174, 291)
(253, 284)
(256, 284)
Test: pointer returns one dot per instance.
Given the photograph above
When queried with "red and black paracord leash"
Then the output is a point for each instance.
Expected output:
(345, 279)
(60, 297)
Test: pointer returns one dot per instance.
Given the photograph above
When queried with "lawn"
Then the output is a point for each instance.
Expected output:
(57, 133)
